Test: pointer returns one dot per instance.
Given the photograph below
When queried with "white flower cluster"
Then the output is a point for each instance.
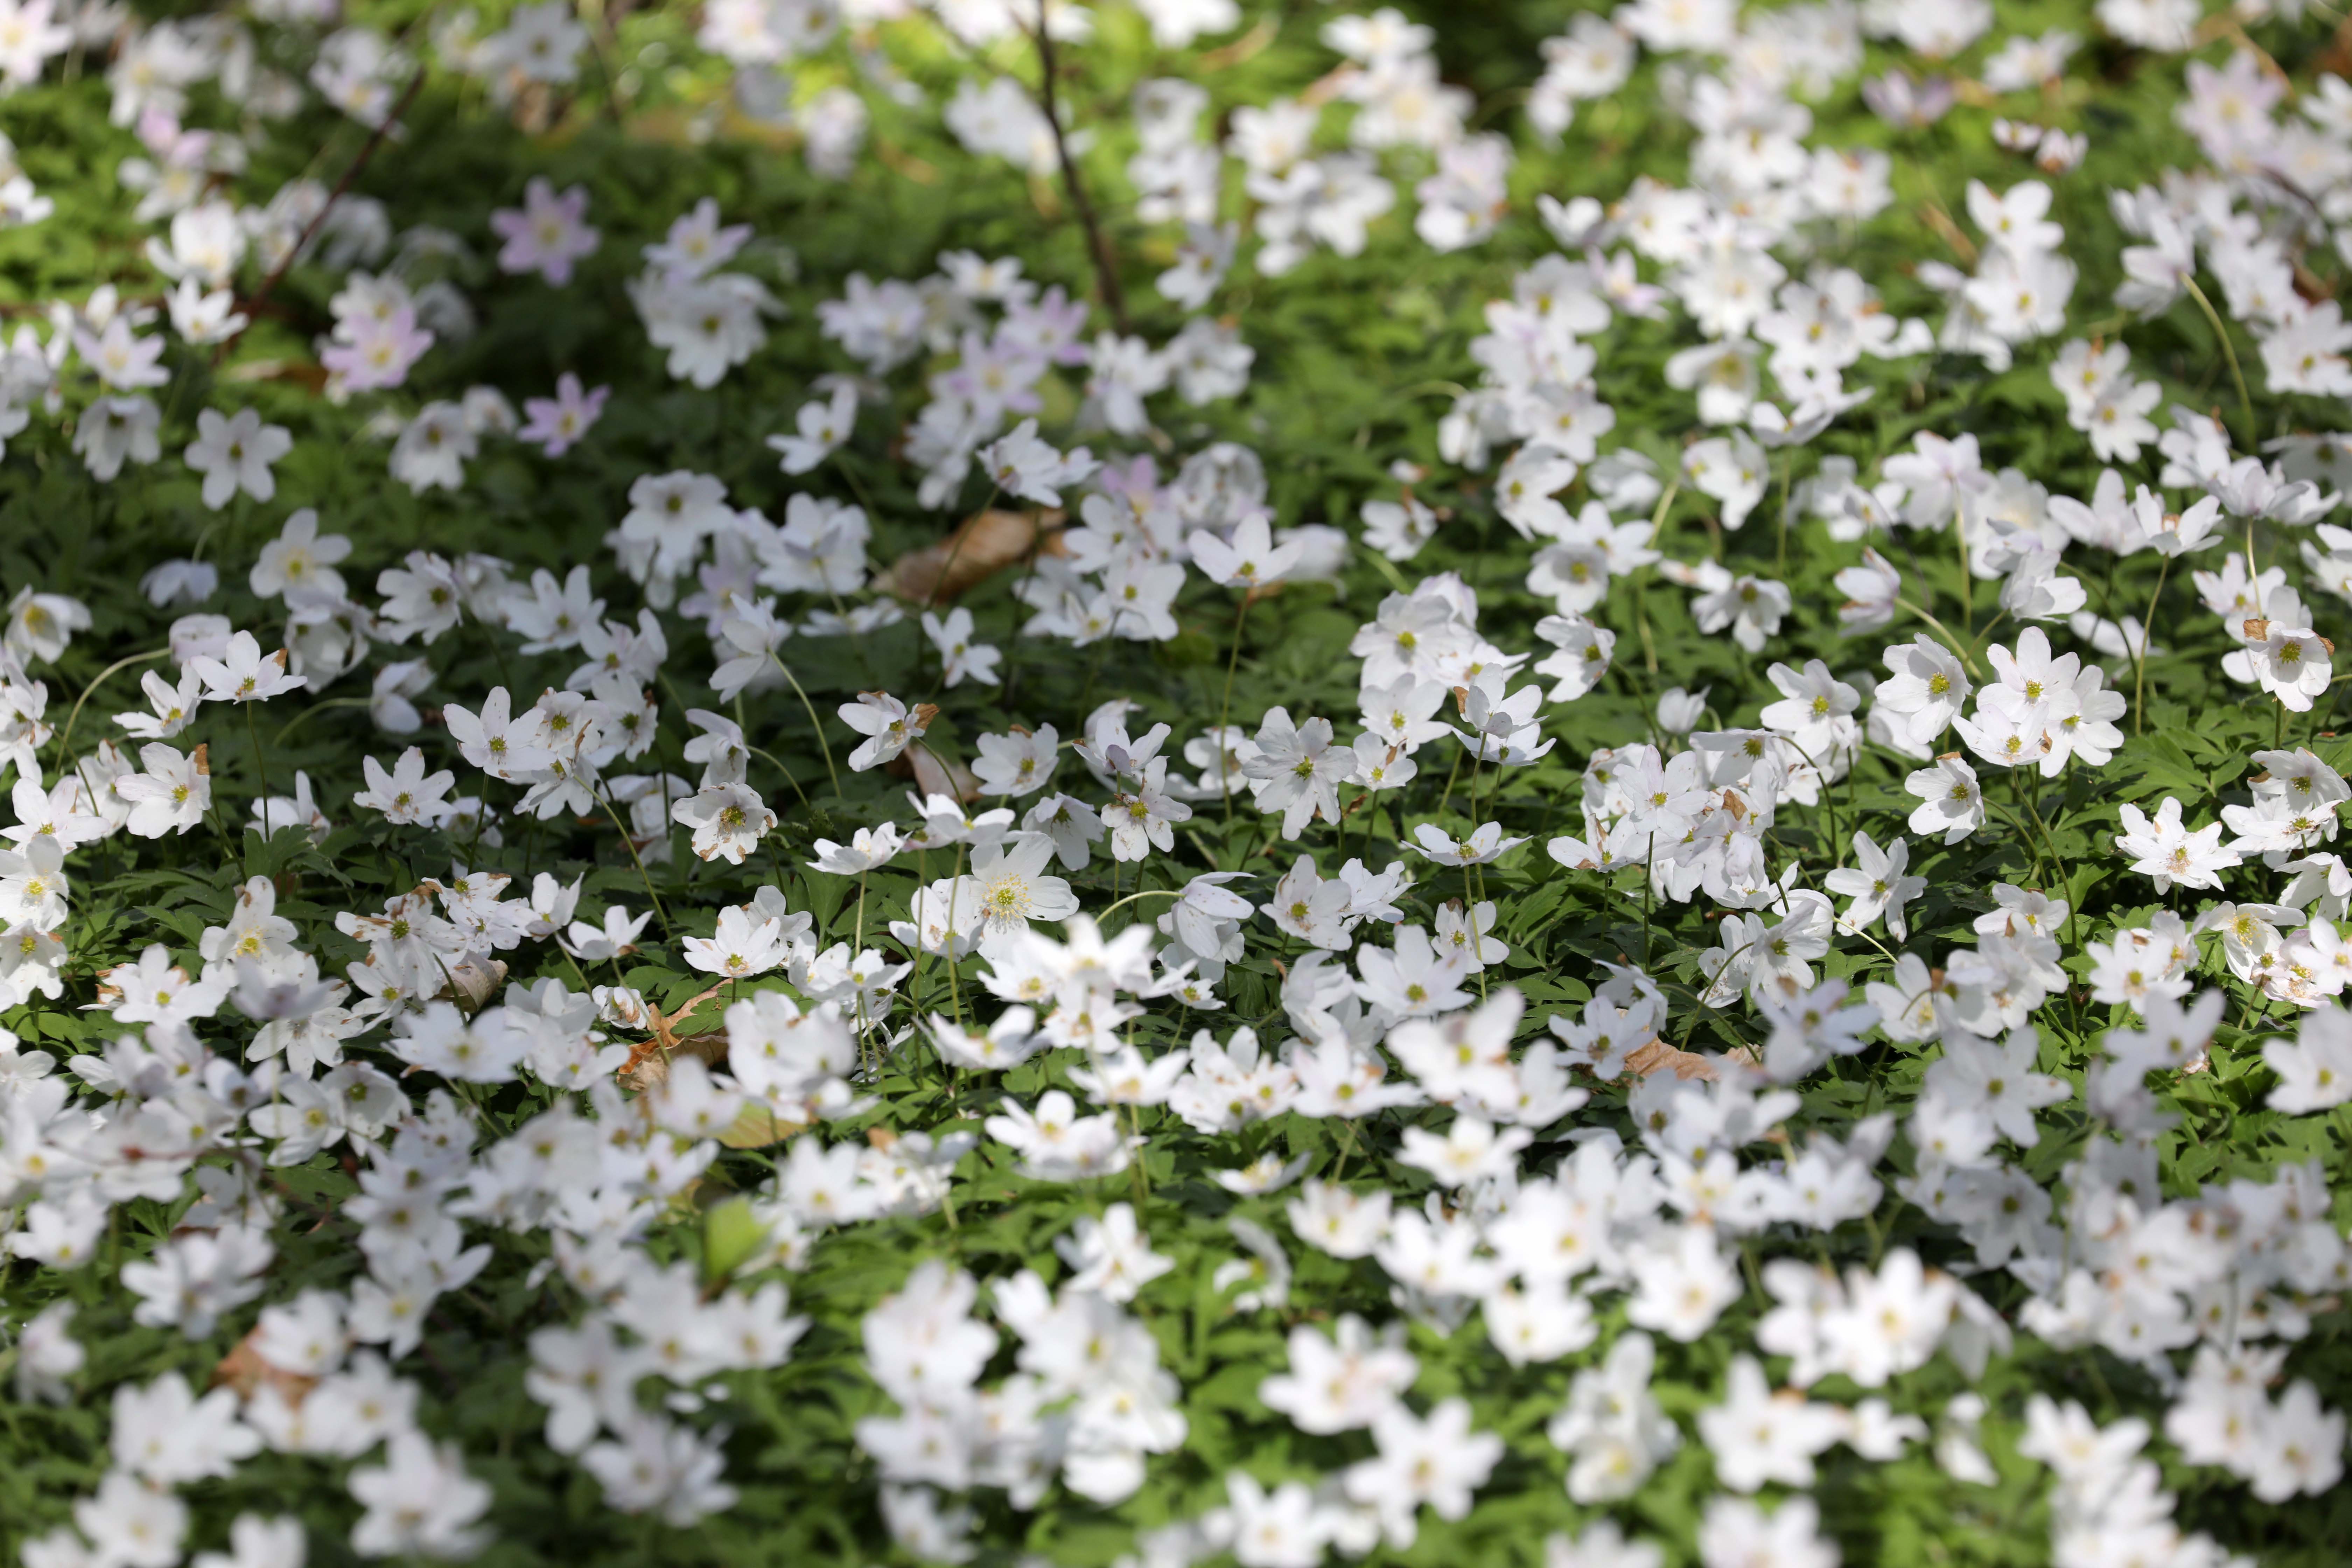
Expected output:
(1835, 1119)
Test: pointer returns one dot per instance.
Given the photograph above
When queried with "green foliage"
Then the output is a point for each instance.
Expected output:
(1355, 359)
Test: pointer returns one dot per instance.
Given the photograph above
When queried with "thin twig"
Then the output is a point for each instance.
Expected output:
(1105, 273)
(310, 230)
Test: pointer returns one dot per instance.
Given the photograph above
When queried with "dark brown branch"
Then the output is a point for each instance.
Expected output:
(1106, 271)
(252, 308)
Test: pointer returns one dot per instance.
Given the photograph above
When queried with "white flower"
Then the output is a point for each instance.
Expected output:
(407, 794)
(823, 430)
(1111, 1257)
(2162, 847)
(1009, 887)
(41, 626)
(420, 1502)
(888, 725)
(2291, 663)
(1021, 465)
(171, 792)
(1877, 884)
(1736, 1533)
(729, 821)
(237, 454)
(1250, 559)
(300, 558)
(1951, 803)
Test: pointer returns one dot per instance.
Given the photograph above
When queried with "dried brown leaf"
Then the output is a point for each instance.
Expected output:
(934, 775)
(648, 1068)
(244, 1369)
(474, 980)
(307, 373)
(1658, 1057)
(982, 545)
(756, 1127)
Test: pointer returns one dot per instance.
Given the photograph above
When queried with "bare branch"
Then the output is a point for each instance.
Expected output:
(358, 165)
(1106, 271)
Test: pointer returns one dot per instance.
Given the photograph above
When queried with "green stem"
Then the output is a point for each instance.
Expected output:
(642, 875)
(219, 813)
(2146, 628)
(64, 741)
(2032, 849)
(1649, 892)
(776, 763)
(2229, 352)
(1787, 461)
(319, 708)
(1141, 1180)
(1954, 643)
(1140, 893)
(1967, 579)
(260, 768)
(814, 722)
(1444, 801)
(955, 974)
(1665, 500)
(1225, 708)
(2057, 862)
(919, 910)
(2253, 572)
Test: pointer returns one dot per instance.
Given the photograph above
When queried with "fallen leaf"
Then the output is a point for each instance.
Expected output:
(1241, 49)
(1658, 1057)
(933, 776)
(648, 1066)
(982, 545)
(904, 163)
(244, 1369)
(473, 980)
(756, 1127)
(651, 1068)
(307, 373)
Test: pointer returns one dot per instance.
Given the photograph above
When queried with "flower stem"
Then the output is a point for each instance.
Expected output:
(955, 978)
(1787, 461)
(644, 876)
(1955, 643)
(2253, 573)
(777, 765)
(2139, 675)
(1967, 579)
(331, 702)
(261, 769)
(1446, 800)
(1140, 893)
(1141, 1179)
(2229, 352)
(64, 741)
(1649, 892)
(1225, 708)
(814, 722)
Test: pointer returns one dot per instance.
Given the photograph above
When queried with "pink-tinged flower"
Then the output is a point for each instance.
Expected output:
(547, 235)
(381, 351)
(556, 425)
